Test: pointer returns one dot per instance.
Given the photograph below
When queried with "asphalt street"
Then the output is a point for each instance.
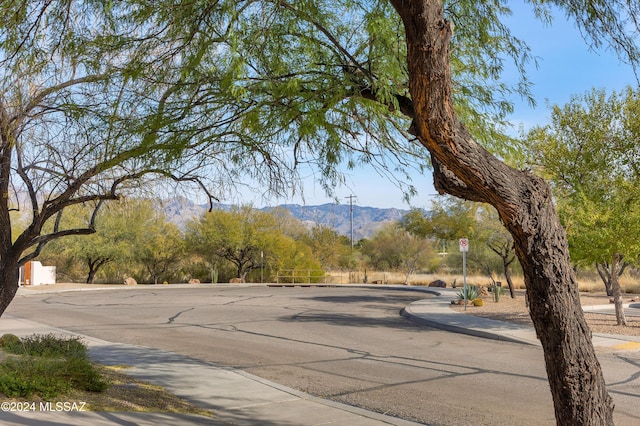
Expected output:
(345, 344)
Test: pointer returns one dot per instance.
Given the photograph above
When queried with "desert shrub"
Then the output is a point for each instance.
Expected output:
(27, 376)
(50, 346)
(11, 343)
(47, 367)
(497, 292)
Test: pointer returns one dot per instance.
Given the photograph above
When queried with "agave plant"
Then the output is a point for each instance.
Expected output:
(472, 292)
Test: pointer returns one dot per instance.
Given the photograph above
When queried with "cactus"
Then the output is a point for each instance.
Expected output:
(497, 291)
(214, 275)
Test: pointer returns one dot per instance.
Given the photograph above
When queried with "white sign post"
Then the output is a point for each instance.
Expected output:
(464, 248)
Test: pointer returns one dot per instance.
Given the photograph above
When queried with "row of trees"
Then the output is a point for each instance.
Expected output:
(134, 238)
(428, 241)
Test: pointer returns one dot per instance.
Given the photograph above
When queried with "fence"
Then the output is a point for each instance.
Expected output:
(304, 276)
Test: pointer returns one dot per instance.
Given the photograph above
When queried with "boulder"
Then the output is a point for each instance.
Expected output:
(438, 283)
(130, 281)
(194, 281)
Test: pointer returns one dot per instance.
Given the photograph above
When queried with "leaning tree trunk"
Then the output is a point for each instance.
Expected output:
(93, 270)
(507, 274)
(464, 169)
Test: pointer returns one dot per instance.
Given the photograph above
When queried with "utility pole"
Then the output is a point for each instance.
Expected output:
(351, 197)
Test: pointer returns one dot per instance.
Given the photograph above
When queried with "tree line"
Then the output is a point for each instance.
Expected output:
(134, 238)
(588, 152)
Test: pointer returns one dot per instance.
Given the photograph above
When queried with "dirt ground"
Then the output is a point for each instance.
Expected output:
(515, 310)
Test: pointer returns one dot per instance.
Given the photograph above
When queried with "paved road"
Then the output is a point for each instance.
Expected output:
(346, 344)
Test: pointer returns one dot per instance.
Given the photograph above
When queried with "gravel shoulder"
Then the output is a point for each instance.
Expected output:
(515, 311)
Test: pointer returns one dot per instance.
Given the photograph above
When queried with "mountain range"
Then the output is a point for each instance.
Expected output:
(366, 220)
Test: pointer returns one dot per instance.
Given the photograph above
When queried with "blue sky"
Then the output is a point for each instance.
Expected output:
(566, 67)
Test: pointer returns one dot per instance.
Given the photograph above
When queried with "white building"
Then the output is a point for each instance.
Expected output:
(33, 273)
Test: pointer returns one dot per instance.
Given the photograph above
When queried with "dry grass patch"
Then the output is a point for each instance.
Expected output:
(126, 393)
(587, 283)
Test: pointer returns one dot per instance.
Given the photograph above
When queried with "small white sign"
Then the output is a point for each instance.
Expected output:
(464, 244)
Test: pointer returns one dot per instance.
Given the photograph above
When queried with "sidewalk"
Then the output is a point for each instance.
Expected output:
(436, 312)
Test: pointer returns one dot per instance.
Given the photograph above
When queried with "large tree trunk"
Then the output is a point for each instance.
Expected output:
(9, 276)
(464, 169)
(9, 267)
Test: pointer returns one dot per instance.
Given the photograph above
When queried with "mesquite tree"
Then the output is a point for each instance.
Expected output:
(98, 99)
(305, 57)
(524, 202)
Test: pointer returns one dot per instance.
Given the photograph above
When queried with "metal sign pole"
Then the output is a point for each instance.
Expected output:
(464, 248)
(464, 277)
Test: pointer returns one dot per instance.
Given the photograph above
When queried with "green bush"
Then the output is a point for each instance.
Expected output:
(48, 366)
(50, 346)
(26, 376)
(11, 343)
(82, 375)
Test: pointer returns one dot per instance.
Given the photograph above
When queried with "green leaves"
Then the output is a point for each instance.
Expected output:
(590, 153)
(249, 239)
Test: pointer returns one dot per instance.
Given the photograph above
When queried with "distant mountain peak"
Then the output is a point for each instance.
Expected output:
(366, 220)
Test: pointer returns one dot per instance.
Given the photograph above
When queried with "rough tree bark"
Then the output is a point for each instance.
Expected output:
(9, 267)
(9, 276)
(464, 169)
